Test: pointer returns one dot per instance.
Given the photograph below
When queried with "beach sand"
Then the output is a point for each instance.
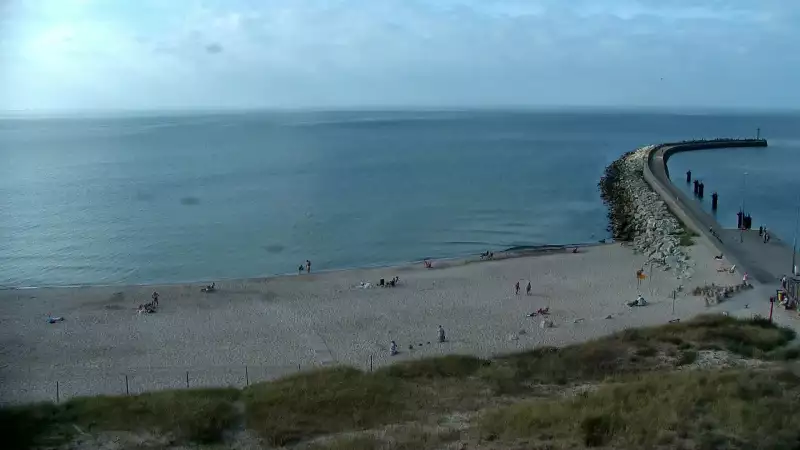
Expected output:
(277, 326)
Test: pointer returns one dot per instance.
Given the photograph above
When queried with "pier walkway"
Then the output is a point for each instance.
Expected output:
(764, 263)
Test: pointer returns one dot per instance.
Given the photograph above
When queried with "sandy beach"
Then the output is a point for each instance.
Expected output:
(277, 326)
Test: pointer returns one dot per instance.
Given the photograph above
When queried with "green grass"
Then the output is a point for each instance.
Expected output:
(324, 401)
(734, 409)
(197, 415)
(686, 239)
(749, 338)
(338, 400)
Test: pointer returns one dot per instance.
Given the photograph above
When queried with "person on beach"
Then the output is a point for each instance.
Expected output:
(516, 287)
(393, 349)
(155, 298)
(441, 334)
(308, 266)
(744, 279)
(300, 270)
(528, 289)
(783, 282)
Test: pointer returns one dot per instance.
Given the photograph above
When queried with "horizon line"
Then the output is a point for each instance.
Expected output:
(680, 110)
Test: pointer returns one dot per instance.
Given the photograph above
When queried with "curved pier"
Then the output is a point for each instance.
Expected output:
(756, 259)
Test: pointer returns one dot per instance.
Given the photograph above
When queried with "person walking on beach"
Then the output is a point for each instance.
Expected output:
(440, 331)
(155, 298)
(308, 266)
(516, 287)
(528, 289)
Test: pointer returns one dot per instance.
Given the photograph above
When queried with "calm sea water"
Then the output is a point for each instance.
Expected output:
(210, 196)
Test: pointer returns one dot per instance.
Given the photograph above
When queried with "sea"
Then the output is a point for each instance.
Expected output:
(144, 198)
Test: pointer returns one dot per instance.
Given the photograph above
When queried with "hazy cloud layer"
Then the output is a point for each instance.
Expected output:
(57, 54)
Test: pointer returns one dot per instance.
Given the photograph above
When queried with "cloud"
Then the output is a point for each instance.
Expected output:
(213, 48)
(296, 53)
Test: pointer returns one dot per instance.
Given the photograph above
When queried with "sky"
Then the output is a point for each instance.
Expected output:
(243, 54)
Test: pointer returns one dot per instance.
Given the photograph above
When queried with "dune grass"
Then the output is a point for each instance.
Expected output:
(196, 415)
(337, 400)
(694, 409)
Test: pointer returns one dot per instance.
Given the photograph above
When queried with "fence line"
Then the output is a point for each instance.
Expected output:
(65, 384)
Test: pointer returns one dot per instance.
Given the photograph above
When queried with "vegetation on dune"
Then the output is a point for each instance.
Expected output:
(655, 406)
(692, 409)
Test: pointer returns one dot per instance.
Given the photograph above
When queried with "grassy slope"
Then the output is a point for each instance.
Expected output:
(638, 400)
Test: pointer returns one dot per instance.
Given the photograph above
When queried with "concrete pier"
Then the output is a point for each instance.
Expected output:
(765, 263)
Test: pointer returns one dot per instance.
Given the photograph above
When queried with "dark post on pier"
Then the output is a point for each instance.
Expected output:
(714, 198)
(696, 183)
(700, 189)
(688, 176)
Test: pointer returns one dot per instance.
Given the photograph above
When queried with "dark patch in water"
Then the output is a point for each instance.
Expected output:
(190, 201)
(274, 248)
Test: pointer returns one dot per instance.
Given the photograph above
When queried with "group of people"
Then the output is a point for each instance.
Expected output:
(307, 267)
(440, 335)
(391, 283)
(487, 255)
(149, 308)
(762, 231)
(209, 288)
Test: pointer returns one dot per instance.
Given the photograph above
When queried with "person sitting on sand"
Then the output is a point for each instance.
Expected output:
(51, 319)
(393, 349)
(575, 250)
(441, 334)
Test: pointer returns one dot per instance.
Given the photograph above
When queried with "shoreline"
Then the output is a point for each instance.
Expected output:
(296, 323)
(519, 251)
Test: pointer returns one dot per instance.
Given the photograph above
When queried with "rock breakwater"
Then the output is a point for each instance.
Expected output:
(638, 215)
